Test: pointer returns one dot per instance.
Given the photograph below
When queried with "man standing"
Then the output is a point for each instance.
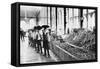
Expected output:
(34, 38)
(39, 38)
(45, 42)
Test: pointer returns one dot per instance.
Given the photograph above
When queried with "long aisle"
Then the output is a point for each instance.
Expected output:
(29, 55)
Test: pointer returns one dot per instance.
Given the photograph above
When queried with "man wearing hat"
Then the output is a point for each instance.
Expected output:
(39, 39)
(45, 41)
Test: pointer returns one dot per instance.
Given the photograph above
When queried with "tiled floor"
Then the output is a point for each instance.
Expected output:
(29, 55)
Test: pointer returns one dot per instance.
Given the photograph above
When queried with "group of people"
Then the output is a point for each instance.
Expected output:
(39, 38)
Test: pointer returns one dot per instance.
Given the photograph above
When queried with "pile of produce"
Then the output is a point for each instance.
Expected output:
(81, 38)
(79, 53)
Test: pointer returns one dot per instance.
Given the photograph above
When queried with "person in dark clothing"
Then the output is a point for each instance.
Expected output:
(49, 40)
(45, 43)
(22, 35)
(36, 37)
(34, 34)
(30, 38)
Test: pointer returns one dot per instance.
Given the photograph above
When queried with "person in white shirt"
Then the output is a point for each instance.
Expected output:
(34, 38)
(39, 39)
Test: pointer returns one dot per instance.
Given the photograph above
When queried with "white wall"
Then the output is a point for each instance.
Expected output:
(5, 36)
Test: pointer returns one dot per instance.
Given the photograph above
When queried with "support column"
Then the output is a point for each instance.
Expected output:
(51, 17)
(47, 15)
(64, 20)
(73, 16)
(81, 15)
(87, 18)
(56, 18)
(68, 31)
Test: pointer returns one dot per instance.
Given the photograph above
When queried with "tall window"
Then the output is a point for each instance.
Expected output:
(60, 21)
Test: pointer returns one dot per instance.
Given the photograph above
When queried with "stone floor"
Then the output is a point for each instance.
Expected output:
(29, 55)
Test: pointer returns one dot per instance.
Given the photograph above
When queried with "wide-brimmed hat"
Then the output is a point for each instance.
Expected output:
(38, 27)
(35, 27)
(45, 26)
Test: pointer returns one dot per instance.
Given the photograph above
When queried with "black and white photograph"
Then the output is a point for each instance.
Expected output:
(56, 34)
(50, 34)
